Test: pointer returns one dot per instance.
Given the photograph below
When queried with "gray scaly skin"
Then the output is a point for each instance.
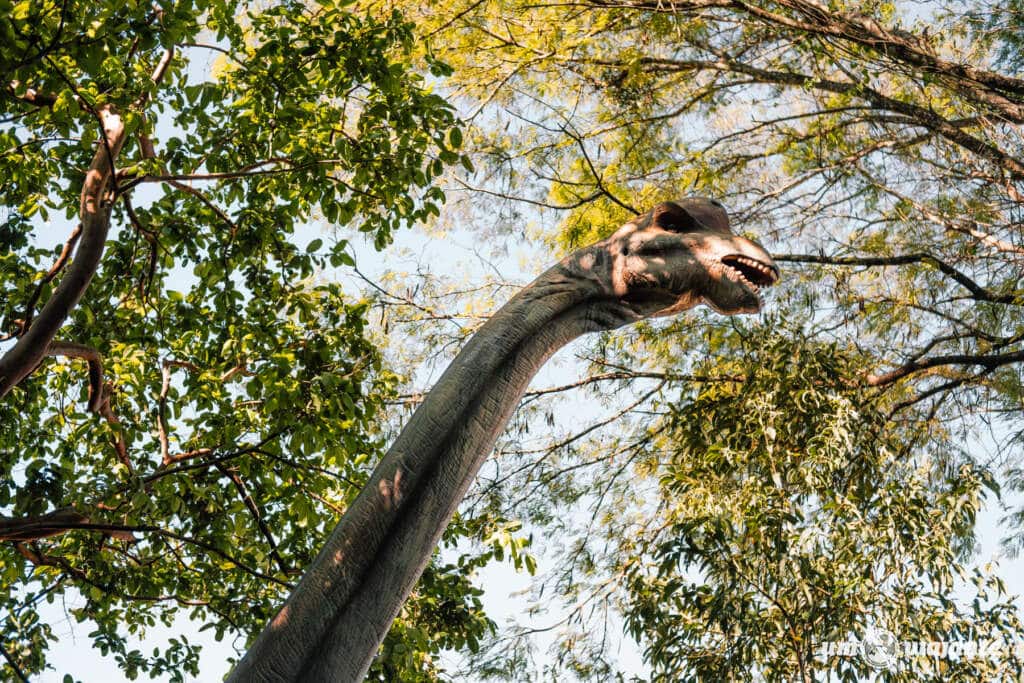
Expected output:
(674, 257)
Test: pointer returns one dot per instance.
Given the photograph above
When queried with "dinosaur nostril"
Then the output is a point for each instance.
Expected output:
(625, 251)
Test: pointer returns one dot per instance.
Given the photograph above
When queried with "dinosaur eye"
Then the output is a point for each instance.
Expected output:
(676, 221)
(671, 224)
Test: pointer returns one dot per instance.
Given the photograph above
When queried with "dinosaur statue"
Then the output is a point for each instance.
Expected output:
(674, 257)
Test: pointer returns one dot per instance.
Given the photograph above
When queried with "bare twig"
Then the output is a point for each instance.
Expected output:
(257, 516)
(13, 664)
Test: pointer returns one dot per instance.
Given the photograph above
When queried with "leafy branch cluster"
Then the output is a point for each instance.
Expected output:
(189, 398)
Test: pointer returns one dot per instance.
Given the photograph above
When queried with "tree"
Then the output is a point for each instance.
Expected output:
(794, 514)
(188, 400)
(881, 152)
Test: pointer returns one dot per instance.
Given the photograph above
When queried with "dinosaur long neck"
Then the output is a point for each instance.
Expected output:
(332, 624)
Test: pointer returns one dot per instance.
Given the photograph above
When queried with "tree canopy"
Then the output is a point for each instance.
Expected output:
(189, 400)
(191, 397)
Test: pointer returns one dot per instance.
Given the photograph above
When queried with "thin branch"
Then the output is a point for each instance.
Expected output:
(188, 189)
(989, 362)
(100, 393)
(120, 445)
(34, 527)
(977, 291)
(983, 86)
(57, 266)
(161, 413)
(598, 180)
(13, 664)
(162, 471)
(257, 516)
(95, 361)
(160, 531)
(611, 376)
(921, 116)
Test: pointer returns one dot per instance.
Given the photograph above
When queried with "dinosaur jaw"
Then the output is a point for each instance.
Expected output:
(751, 274)
(737, 280)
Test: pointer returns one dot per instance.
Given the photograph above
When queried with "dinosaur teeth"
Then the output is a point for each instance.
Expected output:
(751, 272)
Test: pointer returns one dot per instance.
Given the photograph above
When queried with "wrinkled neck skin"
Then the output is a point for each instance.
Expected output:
(334, 621)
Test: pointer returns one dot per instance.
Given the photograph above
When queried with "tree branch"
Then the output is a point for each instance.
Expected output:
(94, 215)
(100, 393)
(31, 96)
(33, 527)
(977, 291)
(13, 664)
(257, 516)
(999, 92)
(990, 362)
(920, 116)
(58, 265)
(94, 212)
(95, 360)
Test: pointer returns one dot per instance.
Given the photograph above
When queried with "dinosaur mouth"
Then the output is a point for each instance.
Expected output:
(751, 272)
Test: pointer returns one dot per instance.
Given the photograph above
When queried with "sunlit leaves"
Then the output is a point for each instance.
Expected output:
(795, 513)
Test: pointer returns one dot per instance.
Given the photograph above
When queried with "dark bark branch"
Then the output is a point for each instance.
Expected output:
(188, 189)
(283, 165)
(525, 200)
(598, 178)
(985, 86)
(148, 529)
(120, 445)
(943, 389)
(999, 92)
(547, 450)
(989, 362)
(631, 375)
(921, 116)
(100, 393)
(257, 516)
(13, 664)
(977, 291)
(31, 528)
(163, 471)
(95, 361)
